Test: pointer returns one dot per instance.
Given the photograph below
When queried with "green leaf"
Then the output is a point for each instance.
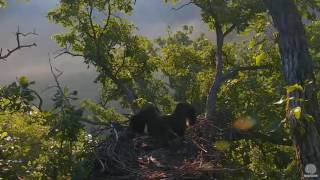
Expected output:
(23, 81)
(297, 112)
(294, 87)
(260, 58)
(4, 135)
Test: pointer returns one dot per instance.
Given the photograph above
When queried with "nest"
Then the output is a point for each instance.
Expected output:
(122, 157)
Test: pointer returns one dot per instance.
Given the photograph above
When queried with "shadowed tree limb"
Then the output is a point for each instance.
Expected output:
(234, 72)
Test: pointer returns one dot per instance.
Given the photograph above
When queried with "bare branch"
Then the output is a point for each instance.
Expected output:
(56, 79)
(182, 6)
(66, 50)
(19, 45)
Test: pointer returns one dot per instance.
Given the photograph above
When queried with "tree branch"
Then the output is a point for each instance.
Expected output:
(39, 98)
(66, 50)
(233, 72)
(182, 6)
(229, 30)
(19, 45)
(56, 79)
(108, 17)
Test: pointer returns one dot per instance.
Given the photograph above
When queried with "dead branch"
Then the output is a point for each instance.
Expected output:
(19, 45)
(56, 76)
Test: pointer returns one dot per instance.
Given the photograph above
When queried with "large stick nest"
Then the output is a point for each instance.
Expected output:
(121, 157)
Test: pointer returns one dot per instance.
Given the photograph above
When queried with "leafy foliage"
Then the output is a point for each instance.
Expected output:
(124, 60)
(188, 65)
(100, 114)
(235, 13)
(37, 144)
(18, 96)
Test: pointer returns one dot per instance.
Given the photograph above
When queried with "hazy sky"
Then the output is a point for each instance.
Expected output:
(152, 17)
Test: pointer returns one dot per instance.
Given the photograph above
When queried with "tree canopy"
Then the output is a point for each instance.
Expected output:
(257, 95)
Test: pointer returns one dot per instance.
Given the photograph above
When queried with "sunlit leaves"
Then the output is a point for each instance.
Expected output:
(227, 13)
(260, 58)
(99, 31)
(23, 81)
(188, 64)
(295, 87)
(297, 111)
(17, 96)
(3, 135)
(20, 144)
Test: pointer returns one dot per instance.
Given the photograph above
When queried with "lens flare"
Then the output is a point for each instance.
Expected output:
(244, 123)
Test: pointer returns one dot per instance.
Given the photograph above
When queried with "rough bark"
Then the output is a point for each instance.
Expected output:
(298, 69)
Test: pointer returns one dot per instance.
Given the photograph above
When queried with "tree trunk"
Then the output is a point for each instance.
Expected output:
(298, 69)
(213, 93)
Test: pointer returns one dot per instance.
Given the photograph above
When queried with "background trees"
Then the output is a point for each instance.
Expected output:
(252, 82)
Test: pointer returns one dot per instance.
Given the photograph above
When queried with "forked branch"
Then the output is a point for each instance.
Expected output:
(66, 50)
(4, 56)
